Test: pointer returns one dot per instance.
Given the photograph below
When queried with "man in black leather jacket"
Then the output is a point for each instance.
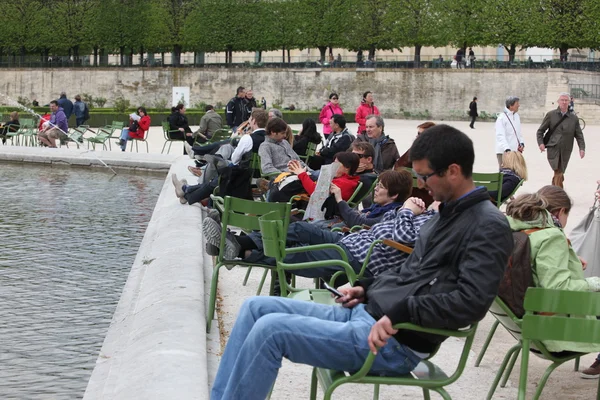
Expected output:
(448, 282)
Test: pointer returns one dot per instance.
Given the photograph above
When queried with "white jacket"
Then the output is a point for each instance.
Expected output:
(508, 137)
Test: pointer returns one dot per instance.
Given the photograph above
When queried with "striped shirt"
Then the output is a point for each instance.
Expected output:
(400, 225)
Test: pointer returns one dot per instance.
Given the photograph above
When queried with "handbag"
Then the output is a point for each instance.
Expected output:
(585, 240)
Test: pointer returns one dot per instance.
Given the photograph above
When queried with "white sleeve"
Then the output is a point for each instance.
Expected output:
(244, 146)
(520, 135)
(501, 142)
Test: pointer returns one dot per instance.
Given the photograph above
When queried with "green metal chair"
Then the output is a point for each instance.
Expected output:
(512, 194)
(360, 194)
(311, 150)
(244, 215)
(167, 134)
(11, 133)
(143, 140)
(541, 322)
(28, 132)
(492, 181)
(108, 132)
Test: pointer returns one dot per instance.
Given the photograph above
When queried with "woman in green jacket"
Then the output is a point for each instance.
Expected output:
(554, 262)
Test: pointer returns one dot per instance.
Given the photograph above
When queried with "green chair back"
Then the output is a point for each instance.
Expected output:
(353, 200)
(557, 315)
(271, 229)
(491, 181)
(220, 135)
(360, 194)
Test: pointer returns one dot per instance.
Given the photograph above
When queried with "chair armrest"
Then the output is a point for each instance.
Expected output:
(398, 246)
(324, 246)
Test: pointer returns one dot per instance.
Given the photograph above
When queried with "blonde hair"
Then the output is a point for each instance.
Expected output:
(289, 135)
(529, 207)
(515, 161)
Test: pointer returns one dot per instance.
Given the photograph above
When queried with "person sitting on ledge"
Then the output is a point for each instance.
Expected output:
(448, 282)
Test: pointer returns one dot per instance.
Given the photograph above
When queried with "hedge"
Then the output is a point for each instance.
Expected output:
(105, 116)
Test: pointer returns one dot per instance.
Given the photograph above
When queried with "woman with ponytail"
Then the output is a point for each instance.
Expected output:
(553, 261)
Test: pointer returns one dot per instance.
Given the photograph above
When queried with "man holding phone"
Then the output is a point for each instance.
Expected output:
(448, 282)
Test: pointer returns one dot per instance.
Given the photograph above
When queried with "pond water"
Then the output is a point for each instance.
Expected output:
(69, 238)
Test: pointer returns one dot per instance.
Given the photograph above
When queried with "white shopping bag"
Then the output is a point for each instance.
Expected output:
(585, 239)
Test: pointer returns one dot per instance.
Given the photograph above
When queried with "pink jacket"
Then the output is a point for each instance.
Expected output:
(362, 112)
(328, 110)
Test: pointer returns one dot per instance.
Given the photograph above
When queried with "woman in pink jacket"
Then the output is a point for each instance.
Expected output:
(365, 109)
(333, 107)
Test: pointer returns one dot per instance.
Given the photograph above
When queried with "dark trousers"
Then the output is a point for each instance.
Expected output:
(196, 193)
(473, 118)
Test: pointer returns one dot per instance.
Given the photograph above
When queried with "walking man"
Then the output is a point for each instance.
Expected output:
(555, 136)
(508, 130)
(473, 112)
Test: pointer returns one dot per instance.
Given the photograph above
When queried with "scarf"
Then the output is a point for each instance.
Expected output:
(377, 143)
(376, 210)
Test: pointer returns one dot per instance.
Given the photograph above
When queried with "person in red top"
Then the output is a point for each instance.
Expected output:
(137, 129)
(345, 177)
(331, 108)
(366, 108)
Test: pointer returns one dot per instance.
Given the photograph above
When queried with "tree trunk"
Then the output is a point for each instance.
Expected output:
(288, 54)
(95, 56)
(512, 50)
(122, 55)
(176, 55)
(141, 55)
(22, 56)
(260, 56)
(162, 59)
(564, 52)
(76, 53)
(372, 53)
(418, 53)
(130, 57)
(322, 50)
(283, 55)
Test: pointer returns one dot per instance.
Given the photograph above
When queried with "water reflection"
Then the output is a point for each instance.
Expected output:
(69, 237)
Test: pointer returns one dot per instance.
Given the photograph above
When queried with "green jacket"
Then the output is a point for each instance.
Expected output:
(555, 265)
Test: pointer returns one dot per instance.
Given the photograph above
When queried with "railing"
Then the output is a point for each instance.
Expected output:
(585, 91)
(313, 61)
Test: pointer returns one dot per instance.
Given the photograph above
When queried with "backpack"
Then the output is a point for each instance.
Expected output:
(86, 112)
(518, 276)
(133, 126)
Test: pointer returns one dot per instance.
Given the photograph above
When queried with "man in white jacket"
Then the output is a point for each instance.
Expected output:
(508, 130)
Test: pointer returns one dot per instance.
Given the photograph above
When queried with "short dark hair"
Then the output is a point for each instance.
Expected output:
(339, 119)
(260, 116)
(366, 147)
(54, 102)
(240, 89)
(349, 160)
(474, 98)
(209, 107)
(275, 125)
(398, 183)
(443, 145)
(333, 94)
(366, 93)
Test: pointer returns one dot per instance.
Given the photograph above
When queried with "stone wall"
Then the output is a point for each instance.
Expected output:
(441, 94)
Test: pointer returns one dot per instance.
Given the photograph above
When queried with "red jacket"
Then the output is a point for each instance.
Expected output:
(345, 182)
(362, 112)
(143, 126)
(328, 110)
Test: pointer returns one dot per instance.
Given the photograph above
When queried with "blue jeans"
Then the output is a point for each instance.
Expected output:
(267, 328)
(124, 137)
(197, 193)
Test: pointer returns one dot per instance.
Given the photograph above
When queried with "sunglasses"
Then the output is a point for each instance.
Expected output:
(424, 177)
(334, 98)
(362, 155)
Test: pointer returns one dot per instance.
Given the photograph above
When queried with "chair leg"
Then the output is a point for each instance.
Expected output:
(502, 369)
(163, 148)
(576, 364)
(442, 392)
(168, 151)
(487, 343)
(245, 281)
(147, 150)
(262, 282)
(213, 297)
(544, 379)
(426, 395)
(313, 385)
(524, 368)
(511, 365)
(376, 391)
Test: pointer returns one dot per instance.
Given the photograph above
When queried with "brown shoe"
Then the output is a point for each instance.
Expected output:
(263, 184)
(195, 171)
(593, 372)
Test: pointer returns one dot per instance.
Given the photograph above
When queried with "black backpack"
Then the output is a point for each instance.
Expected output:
(517, 276)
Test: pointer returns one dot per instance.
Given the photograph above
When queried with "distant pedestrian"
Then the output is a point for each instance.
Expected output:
(572, 105)
(332, 107)
(460, 55)
(263, 103)
(81, 111)
(508, 130)
(555, 136)
(473, 112)
(471, 59)
(35, 103)
(66, 105)
(236, 112)
(366, 108)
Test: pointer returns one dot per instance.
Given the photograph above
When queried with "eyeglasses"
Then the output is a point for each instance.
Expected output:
(424, 177)
(334, 98)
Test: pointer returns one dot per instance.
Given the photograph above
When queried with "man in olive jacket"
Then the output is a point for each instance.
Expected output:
(564, 127)
(448, 282)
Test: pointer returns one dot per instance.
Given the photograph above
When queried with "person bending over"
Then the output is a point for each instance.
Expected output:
(448, 282)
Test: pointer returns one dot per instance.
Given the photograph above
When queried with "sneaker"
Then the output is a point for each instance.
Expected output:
(212, 233)
(188, 150)
(213, 214)
(200, 163)
(593, 372)
(212, 250)
(263, 184)
(178, 185)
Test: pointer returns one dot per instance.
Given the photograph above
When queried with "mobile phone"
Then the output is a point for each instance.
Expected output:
(336, 292)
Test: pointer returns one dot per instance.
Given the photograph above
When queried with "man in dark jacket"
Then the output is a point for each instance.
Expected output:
(250, 101)
(66, 105)
(448, 282)
(236, 112)
(473, 112)
(386, 152)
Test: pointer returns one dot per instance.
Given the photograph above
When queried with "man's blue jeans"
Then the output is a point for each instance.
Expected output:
(269, 328)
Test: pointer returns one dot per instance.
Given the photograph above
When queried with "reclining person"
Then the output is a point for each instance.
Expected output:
(448, 282)
(248, 144)
(276, 152)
